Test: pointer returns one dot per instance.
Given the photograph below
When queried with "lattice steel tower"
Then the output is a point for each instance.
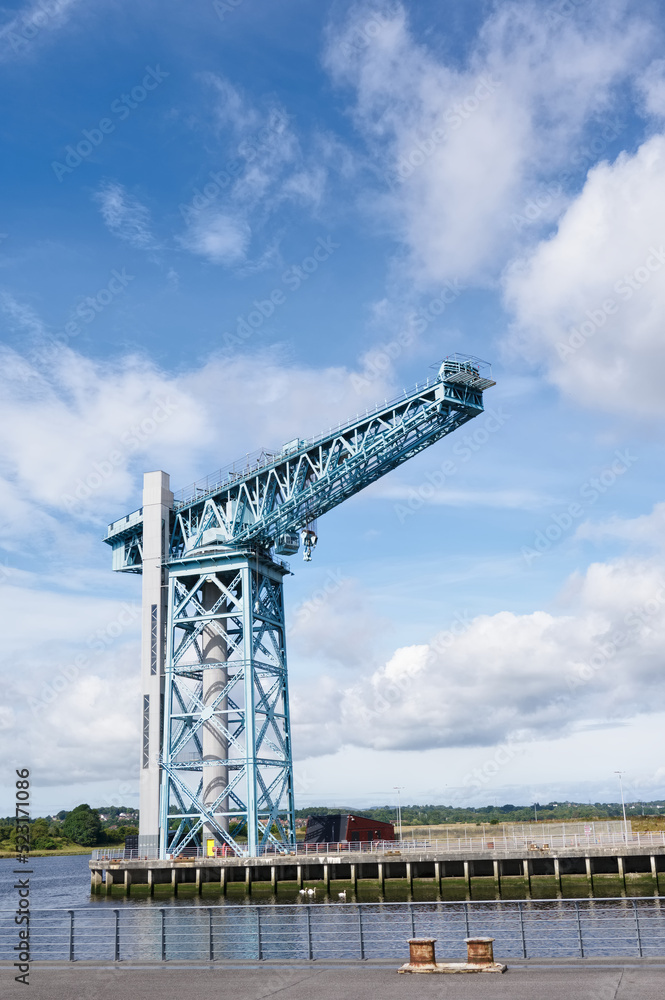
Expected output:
(216, 767)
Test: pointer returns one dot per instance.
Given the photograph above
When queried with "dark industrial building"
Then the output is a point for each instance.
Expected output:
(343, 828)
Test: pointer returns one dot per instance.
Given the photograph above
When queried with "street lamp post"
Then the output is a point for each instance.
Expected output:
(398, 789)
(623, 806)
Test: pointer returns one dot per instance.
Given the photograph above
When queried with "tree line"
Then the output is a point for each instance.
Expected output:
(551, 812)
(81, 826)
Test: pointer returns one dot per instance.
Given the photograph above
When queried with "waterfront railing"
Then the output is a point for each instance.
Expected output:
(479, 845)
(596, 928)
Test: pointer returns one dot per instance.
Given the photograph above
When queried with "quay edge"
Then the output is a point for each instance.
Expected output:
(409, 865)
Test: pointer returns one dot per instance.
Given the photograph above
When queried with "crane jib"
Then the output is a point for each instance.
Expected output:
(278, 494)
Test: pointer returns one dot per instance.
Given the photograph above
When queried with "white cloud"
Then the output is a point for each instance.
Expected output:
(651, 84)
(125, 216)
(220, 238)
(462, 148)
(274, 166)
(70, 420)
(588, 302)
(507, 677)
(74, 687)
(62, 419)
(75, 430)
(335, 626)
(263, 166)
(647, 530)
(416, 496)
(32, 20)
(21, 317)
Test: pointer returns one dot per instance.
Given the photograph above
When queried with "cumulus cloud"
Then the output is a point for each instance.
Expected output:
(336, 625)
(75, 435)
(74, 688)
(588, 302)
(70, 427)
(651, 86)
(507, 677)
(462, 147)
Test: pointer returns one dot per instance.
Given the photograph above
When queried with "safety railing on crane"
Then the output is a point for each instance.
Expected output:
(254, 462)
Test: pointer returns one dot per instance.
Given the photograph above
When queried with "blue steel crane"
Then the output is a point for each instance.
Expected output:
(216, 769)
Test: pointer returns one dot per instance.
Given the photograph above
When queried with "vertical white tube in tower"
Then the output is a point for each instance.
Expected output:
(157, 505)
(215, 679)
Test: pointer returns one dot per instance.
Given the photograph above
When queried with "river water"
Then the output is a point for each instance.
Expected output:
(64, 881)
(66, 921)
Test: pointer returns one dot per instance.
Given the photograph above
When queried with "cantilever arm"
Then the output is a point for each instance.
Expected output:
(309, 478)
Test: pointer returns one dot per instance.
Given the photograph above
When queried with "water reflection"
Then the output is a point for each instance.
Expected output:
(65, 882)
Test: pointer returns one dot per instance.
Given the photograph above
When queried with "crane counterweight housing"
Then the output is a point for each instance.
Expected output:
(216, 762)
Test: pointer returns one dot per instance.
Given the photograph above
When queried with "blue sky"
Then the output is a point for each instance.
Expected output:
(475, 177)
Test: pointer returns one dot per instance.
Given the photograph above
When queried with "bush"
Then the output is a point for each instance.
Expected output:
(82, 825)
(45, 844)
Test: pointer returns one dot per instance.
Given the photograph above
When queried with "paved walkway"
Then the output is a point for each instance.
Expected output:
(523, 981)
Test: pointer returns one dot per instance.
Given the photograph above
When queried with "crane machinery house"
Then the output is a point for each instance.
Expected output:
(345, 828)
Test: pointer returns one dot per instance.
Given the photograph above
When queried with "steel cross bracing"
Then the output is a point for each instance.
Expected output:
(225, 758)
(294, 489)
(244, 716)
(308, 478)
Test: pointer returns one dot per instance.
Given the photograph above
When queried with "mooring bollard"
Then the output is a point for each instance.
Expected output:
(421, 952)
(480, 957)
(479, 951)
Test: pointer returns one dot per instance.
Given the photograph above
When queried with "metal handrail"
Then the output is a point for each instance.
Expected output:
(486, 844)
(256, 461)
(309, 931)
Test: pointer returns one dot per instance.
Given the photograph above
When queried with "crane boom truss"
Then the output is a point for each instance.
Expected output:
(286, 492)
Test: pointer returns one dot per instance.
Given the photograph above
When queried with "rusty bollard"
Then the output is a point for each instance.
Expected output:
(479, 951)
(421, 953)
(480, 957)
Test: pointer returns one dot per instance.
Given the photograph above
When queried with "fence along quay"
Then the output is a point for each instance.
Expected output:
(626, 928)
(605, 853)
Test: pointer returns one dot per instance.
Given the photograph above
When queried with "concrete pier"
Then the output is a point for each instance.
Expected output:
(354, 867)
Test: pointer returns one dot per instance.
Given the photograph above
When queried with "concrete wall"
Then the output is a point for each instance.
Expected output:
(157, 504)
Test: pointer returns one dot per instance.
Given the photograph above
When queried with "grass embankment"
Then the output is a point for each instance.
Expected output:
(62, 851)
(644, 824)
(639, 824)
